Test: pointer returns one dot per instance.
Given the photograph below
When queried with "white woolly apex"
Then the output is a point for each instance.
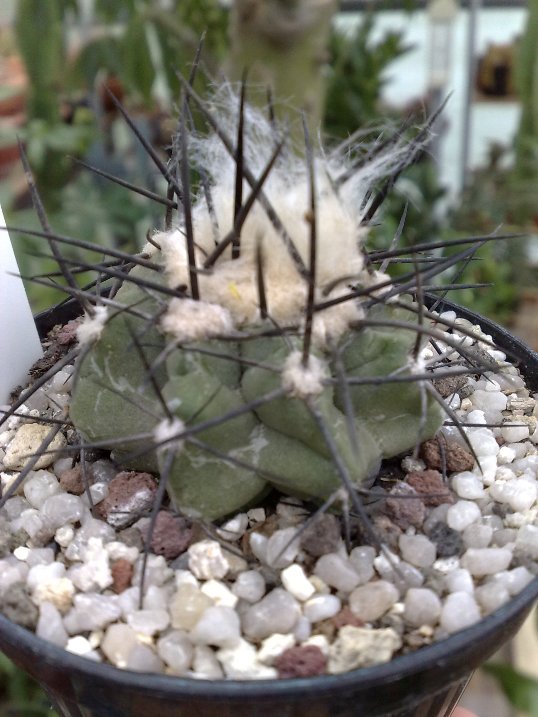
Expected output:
(188, 320)
(369, 280)
(165, 432)
(91, 327)
(303, 381)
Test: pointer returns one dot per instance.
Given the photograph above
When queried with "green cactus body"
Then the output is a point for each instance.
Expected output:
(237, 405)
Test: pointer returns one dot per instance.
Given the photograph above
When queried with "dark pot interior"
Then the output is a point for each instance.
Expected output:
(424, 683)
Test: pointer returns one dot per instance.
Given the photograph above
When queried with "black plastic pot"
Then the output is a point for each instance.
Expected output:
(425, 683)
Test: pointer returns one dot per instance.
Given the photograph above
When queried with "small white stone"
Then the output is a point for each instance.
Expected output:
(241, 663)
(491, 596)
(282, 548)
(176, 650)
(523, 494)
(337, 571)
(218, 626)
(50, 626)
(91, 612)
(183, 577)
(21, 553)
(527, 540)
(462, 514)
(477, 535)
(219, 593)
(149, 622)
(97, 491)
(489, 400)
(143, 659)
(467, 485)
(40, 486)
(278, 611)
(249, 586)
(157, 597)
(421, 607)
(373, 600)
(63, 508)
(62, 381)
(187, 605)
(459, 611)
(256, 515)
(40, 575)
(117, 550)
(459, 580)
(417, 550)
(207, 561)
(319, 641)
(505, 455)
(302, 629)
(64, 535)
(321, 607)
(40, 556)
(234, 528)
(513, 432)
(205, 664)
(79, 645)
(273, 646)
(446, 565)
(296, 582)
(94, 573)
(362, 559)
(486, 561)
(258, 545)
(517, 579)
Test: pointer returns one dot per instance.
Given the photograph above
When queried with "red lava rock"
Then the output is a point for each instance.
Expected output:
(430, 486)
(322, 535)
(301, 661)
(346, 617)
(130, 495)
(122, 573)
(171, 536)
(68, 332)
(405, 511)
(456, 458)
(71, 480)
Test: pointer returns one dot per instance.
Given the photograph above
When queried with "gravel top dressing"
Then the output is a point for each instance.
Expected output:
(281, 589)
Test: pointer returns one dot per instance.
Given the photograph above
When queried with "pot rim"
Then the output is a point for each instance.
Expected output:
(436, 654)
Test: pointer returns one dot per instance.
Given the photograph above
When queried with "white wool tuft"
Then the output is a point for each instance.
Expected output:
(188, 320)
(165, 432)
(91, 327)
(233, 283)
(303, 381)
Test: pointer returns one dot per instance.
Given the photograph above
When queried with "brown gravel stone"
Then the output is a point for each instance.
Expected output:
(346, 617)
(122, 573)
(456, 457)
(17, 606)
(67, 333)
(130, 495)
(430, 486)
(405, 511)
(322, 535)
(449, 385)
(71, 480)
(387, 531)
(171, 536)
(301, 661)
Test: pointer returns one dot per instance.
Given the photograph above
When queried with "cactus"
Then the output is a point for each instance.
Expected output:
(254, 346)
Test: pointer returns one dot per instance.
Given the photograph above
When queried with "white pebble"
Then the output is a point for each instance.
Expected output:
(205, 663)
(523, 494)
(42, 574)
(362, 559)
(218, 626)
(282, 548)
(417, 550)
(371, 601)
(58, 592)
(462, 514)
(25, 444)
(459, 580)
(513, 432)
(40, 486)
(296, 582)
(337, 571)
(80, 645)
(486, 561)
(302, 629)
(50, 626)
(459, 611)
(278, 611)
(467, 485)
(148, 622)
(321, 607)
(505, 455)
(489, 400)
(143, 659)
(176, 650)
(477, 535)
(421, 607)
(241, 663)
(491, 596)
(273, 646)
(64, 535)
(527, 540)
(234, 528)
(258, 545)
(219, 593)
(63, 508)
(91, 612)
(207, 561)
(249, 586)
